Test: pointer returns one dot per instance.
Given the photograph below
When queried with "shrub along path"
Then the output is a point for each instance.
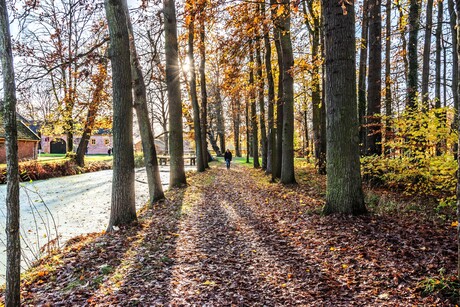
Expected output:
(232, 238)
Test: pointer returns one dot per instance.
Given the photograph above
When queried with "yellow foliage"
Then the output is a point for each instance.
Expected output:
(280, 11)
(419, 158)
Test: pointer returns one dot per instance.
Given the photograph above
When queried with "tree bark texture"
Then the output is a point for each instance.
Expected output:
(220, 117)
(426, 54)
(318, 108)
(271, 98)
(236, 116)
(453, 25)
(388, 99)
(204, 93)
(193, 95)
(140, 104)
(279, 98)
(252, 99)
(362, 73)
(457, 9)
(344, 191)
(176, 142)
(374, 96)
(412, 74)
(287, 161)
(260, 97)
(437, 91)
(93, 109)
(402, 29)
(13, 243)
(246, 105)
(123, 210)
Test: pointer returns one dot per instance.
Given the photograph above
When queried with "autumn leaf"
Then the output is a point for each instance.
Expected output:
(280, 11)
(188, 20)
(209, 283)
(42, 273)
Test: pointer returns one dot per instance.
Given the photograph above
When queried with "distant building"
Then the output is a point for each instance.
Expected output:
(99, 143)
(27, 142)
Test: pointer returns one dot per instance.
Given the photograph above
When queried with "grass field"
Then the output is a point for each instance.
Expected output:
(242, 161)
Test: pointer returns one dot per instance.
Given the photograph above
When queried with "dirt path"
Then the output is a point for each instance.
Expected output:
(231, 238)
(227, 255)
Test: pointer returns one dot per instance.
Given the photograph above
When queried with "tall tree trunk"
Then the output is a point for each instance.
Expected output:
(279, 98)
(457, 9)
(236, 116)
(260, 96)
(362, 76)
(69, 134)
(204, 93)
(388, 100)
(322, 113)
(344, 191)
(13, 242)
(374, 98)
(304, 122)
(193, 94)
(123, 208)
(287, 161)
(412, 76)
(213, 140)
(453, 24)
(166, 138)
(176, 145)
(271, 97)
(444, 71)
(402, 29)
(426, 54)
(252, 99)
(437, 91)
(318, 108)
(220, 117)
(279, 108)
(246, 105)
(99, 82)
(453, 29)
(306, 137)
(140, 104)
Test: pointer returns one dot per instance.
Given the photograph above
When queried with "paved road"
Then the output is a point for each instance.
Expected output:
(75, 204)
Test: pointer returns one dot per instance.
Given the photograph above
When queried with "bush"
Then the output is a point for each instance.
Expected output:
(444, 285)
(431, 177)
(39, 171)
(418, 156)
(139, 160)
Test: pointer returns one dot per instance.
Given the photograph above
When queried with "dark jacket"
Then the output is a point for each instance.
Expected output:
(228, 155)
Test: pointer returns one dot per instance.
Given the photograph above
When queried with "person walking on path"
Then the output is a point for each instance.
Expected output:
(228, 158)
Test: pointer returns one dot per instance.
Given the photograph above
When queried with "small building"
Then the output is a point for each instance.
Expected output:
(99, 143)
(27, 142)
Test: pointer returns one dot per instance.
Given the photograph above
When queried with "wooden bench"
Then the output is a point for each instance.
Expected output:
(163, 160)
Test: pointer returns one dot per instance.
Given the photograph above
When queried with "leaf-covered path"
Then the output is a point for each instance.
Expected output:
(232, 238)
